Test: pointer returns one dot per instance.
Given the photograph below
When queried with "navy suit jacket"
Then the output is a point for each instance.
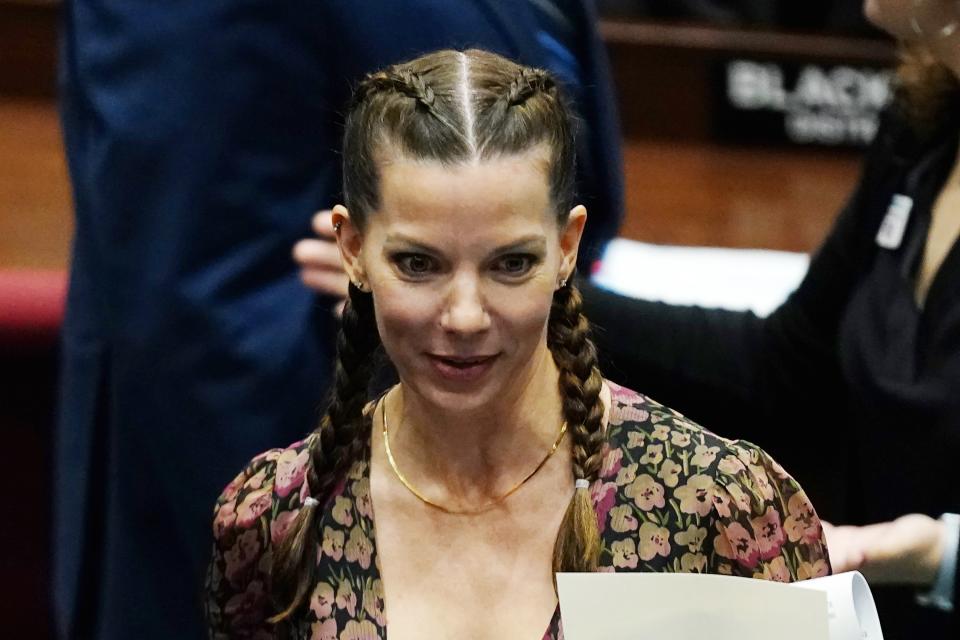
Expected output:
(201, 137)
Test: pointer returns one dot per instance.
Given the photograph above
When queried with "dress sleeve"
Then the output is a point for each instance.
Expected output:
(764, 525)
(236, 597)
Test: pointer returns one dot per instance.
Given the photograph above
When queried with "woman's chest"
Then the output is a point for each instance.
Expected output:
(486, 576)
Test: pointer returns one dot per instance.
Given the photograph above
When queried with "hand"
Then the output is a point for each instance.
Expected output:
(905, 551)
(319, 259)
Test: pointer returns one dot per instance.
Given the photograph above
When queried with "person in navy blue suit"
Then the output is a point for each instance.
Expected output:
(201, 138)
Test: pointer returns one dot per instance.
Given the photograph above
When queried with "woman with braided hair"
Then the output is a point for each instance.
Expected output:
(502, 456)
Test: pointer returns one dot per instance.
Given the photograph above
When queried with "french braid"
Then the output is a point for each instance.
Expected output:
(528, 83)
(339, 441)
(568, 336)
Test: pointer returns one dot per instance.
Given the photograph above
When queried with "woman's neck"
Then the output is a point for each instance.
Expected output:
(476, 455)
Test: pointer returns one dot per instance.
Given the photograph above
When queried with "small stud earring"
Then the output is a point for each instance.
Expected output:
(562, 284)
(359, 285)
(337, 225)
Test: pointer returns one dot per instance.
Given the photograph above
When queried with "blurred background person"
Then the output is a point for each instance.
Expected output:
(200, 140)
(870, 334)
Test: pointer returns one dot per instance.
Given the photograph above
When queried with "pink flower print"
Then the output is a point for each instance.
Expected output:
(281, 524)
(626, 475)
(624, 554)
(226, 516)
(769, 534)
(703, 456)
(326, 630)
(269, 456)
(692, 537)
(256, 480)
(622, 519)
(358, 548)
(357, 470)
(778, 471)
(802, 523)
(646, 492)
(735, 543)
(333, 543)
(241, 555)
(373, 602)
(604, 496)
(746, 456)
(346, 598)
(248, 608)
(680, 439)
(322, 600)
(816, 569)
(611, 463)
(654, 541)
(252, 507)
(653, 456)
(342, 514)
(697, 495)
(291, 470)
(363, 630)
(231, 490)
(670, 472)
(776, 570)
(633, 413)
(693, 563)
(635, 439)
(361, 494)
(661, 432)
(730, 465)
(761, 481)
(740, 497)
(721, 501)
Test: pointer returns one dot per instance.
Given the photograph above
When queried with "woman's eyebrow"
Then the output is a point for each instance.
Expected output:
(533, 243)
(408, 243)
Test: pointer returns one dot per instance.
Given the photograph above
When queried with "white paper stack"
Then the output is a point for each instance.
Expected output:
(677, 606)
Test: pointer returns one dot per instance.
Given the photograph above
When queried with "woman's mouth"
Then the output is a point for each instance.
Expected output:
(462, 368)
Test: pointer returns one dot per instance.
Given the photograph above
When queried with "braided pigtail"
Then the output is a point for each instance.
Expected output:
(338, 442)
(578, 541)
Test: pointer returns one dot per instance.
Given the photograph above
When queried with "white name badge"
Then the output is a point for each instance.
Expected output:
(894, 224)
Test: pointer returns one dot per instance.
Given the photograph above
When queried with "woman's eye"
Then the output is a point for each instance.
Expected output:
(515, 265)
(415, 264)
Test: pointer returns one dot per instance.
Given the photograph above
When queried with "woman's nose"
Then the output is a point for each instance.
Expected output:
(465, 311)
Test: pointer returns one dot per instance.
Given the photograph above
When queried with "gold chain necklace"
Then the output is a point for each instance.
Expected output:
(428, 501)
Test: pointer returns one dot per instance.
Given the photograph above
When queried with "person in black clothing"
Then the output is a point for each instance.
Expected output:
(861, 365)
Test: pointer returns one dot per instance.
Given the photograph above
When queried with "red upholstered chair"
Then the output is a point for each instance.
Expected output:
(31, 311)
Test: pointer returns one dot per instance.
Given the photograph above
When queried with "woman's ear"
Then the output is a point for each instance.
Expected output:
(570, 240)
(350, 243)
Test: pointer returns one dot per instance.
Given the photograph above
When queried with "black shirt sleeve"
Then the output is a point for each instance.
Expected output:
(739, 374)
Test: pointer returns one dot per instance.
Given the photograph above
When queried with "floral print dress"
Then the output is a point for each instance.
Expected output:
(671, 497)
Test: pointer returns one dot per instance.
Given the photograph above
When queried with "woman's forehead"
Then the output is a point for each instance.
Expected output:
(507, 191)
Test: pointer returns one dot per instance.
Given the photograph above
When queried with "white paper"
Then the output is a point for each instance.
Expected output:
(735, 279)
(677, 606)
(850, 608)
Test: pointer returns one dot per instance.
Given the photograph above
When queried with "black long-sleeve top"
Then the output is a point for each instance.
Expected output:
(850, 383)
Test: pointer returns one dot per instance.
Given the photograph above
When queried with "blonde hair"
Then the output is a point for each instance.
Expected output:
(927, 91)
